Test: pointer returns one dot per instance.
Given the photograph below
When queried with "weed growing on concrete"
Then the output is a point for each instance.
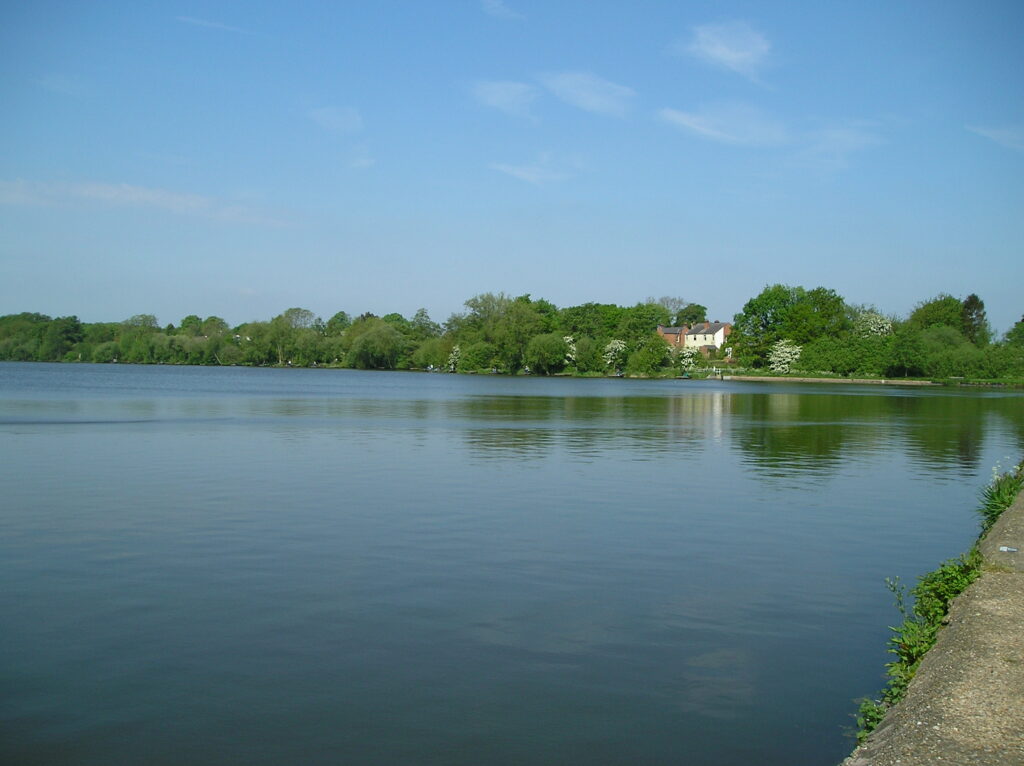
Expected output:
(932, 596)
(999, 494)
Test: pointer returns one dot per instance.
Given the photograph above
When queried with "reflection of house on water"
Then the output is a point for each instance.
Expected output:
(532, 427)
(698, 415)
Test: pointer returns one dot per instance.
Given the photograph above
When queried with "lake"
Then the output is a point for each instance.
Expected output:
(266, 566)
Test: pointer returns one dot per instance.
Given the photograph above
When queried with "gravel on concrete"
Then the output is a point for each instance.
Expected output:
(966, 702)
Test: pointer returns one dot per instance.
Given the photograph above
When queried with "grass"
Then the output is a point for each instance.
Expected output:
(932, 595)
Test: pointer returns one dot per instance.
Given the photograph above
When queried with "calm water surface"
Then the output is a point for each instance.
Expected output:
(254, 566)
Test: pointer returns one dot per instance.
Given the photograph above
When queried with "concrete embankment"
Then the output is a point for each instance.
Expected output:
(966, 702)
(869, 381)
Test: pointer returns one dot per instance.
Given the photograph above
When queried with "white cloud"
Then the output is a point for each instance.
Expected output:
(22, 192)
(515, 98)
(207, 24)
(360, 157)
(337, 119)
(499, 10)
(589, 92)
(831, 148)
(735, 46)
(540, 172)
(64, 84)
(1011, 137)
(730, 124)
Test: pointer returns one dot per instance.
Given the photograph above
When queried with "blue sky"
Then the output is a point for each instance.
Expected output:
(242, 158)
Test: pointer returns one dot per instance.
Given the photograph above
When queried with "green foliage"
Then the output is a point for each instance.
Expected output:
(638, 322)
(943, 310)
(650, 354)
(546, 353)
(974, 323)
(594, 320)
(999, 494)
(338, 323)
(423, 326)
(432, 353)
(941, 341)
(378, 348)
(476, 357)
(783, 312)
(191, 325)
(1015, 335)
(690, 314)
(588, 355)
(932, 596)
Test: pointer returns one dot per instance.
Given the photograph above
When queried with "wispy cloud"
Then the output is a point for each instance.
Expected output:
(831, 148)
(515, 98)
(1012, 137)
(337, 119)
(543, 171)
(64, 84)
(207, 24)
(735, 46)
(730, 124)
(22, 192)
(499, 10)
(360, 157)
(590, 92)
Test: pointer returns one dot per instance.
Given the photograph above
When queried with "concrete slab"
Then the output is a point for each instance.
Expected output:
(966, 702)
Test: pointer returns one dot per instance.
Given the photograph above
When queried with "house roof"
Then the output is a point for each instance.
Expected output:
(672, 330)
(707, 328)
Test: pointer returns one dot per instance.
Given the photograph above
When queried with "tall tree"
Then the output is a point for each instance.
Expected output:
(975, 323)
(942, 310)
(691, 313)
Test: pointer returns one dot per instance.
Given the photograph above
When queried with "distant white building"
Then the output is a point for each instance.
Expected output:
(705, 336)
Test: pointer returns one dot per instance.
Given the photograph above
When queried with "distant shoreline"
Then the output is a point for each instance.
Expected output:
(868, 381)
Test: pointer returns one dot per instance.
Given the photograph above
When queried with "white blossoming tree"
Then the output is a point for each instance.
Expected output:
(871, 323)
(570, 354)
(615, 354)
(686, 358)
(453, 359)
(782, 356)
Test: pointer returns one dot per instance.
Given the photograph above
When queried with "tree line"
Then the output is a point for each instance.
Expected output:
(790, 329)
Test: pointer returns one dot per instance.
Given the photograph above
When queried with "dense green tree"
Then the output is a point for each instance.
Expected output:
(423, 326)
(691, 314)
(907, 352)
(975, 325)
(649, 355)
(595, 320)
(640, 321)
(814, 314)
(214, 325)
(512, 333)
(477, 356)
(588, 355)
(338, 323)
(432, 353)
(379, 347)
(60, 335)
(761, 322)
(142, 321)
(1015, 335)
(545, 353)
(191, 325)
(942, 310)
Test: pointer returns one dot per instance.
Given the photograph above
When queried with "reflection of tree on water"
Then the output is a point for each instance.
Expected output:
(949, 429)
(777, 433)
(587, 426)
(785, 433)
